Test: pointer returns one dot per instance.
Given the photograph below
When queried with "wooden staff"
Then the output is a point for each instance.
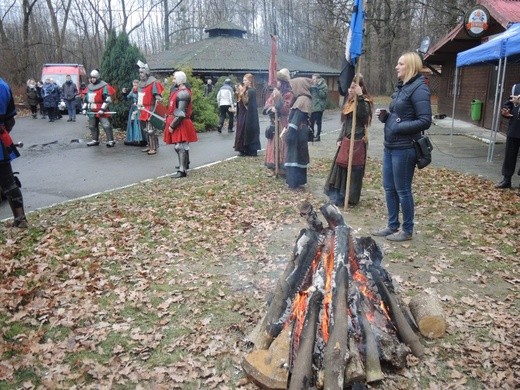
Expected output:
(276, 142)
(352, 138)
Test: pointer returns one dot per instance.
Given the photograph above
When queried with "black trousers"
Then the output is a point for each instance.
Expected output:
(510, 157)
(316, 117)
(224, 110)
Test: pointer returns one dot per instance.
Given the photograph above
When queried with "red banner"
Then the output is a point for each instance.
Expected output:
(272, 62)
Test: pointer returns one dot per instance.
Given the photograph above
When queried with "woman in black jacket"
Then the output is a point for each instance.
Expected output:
(408, 116)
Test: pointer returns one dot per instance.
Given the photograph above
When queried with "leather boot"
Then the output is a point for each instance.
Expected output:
(505, 183)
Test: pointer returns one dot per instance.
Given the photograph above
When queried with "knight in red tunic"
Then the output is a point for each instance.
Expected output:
(149, 95)
(95, 105)
(179, 129)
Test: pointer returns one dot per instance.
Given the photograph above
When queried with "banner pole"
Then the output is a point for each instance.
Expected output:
(352, 137)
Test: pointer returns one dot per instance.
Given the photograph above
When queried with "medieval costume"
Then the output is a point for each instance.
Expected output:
(335, 185)
(134, 135)
(279, 101)
(149, 94)
(247, 138)
(297, 158)
(98, 97)
(179, 130)
(8, 183)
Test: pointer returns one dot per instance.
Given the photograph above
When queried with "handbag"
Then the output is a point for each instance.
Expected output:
(269, 131)
(232, 108)
(359, 156)
(423, 151)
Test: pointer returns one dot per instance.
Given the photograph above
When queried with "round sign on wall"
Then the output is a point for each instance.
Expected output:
(476, 21)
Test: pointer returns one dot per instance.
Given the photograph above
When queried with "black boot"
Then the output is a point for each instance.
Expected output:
(505, 183)
(179, 174)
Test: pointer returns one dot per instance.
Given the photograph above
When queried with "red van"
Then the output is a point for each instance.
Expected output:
(58, 73)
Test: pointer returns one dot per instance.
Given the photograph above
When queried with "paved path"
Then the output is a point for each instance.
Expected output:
(57, 166)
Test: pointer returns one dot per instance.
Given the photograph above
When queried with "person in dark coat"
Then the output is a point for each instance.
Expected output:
(247, 137)
(336, 183)
(410, 113)
(297, 157)
(50, 95)
(33, 98)
(511, 110)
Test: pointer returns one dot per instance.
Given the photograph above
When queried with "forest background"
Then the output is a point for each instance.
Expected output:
(34, 32)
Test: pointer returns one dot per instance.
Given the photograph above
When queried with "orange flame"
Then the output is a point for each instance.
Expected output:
(328, 266)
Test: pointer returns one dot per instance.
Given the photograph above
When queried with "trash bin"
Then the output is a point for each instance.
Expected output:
(476, 109)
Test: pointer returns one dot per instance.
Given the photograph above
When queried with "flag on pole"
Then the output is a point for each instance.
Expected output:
(272, 62)
(353, 47)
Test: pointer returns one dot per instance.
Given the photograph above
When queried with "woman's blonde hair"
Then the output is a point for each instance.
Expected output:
(413, 63)
(251, 79)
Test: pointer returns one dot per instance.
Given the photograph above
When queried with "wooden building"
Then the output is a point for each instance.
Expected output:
(476, 82)
(226, 52)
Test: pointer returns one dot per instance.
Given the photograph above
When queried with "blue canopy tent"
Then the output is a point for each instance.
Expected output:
(498, 50)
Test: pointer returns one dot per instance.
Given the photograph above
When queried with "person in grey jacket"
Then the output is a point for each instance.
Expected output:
(69, 91)
(409, 115)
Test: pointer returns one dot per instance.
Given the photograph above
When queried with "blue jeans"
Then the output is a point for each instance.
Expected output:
(398, 170)
(71, 108)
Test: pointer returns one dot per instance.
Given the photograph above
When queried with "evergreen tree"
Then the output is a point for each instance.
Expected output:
(119, 62)
(118, 68)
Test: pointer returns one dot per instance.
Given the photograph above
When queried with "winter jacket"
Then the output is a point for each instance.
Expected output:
(69, 90)
(410, 113)
(51, 95)
(33, 97)
(319, 94)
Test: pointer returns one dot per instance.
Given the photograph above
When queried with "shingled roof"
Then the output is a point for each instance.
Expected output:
(226, 51)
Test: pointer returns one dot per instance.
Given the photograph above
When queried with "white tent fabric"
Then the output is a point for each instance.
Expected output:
(498, 50)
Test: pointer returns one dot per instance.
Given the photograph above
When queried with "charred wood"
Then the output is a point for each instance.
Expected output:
(403, 327)
(296, 275)
(372, 362)
(332, 215)
(355, 370)
(336, 351)
(301, 374)
(307, 211)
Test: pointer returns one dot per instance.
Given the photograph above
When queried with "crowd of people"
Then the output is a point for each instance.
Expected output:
(49, 99)
(294, 106)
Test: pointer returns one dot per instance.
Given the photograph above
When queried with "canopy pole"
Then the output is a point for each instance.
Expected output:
(454, 102)
(496, 107)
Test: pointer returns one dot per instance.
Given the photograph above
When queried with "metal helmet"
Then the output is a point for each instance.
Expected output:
(95, 74)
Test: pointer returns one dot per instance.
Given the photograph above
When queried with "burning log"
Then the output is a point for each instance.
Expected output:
(372, 363)
(336, 351)
(301, 375)
(429, 315)
(403, 327)
(296, 276)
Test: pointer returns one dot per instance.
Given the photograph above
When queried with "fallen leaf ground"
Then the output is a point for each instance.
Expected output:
(157, 285)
